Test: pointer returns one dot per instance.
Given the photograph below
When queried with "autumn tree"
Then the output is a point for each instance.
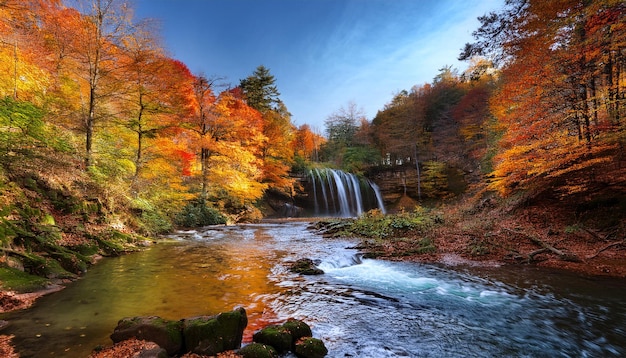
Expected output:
(21, 74)
(307, 143)
(556, 104)
(362, 154)
(277, 151)
(104, 25)
(156, 94)
(236, 169)
(418, 130)
(476, 125)
(260, 92)
(400, 126)
(228, 135)
(205, 124)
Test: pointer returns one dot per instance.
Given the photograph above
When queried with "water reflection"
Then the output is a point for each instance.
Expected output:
(360, 308)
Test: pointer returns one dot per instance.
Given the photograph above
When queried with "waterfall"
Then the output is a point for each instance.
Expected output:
(337, 193)
(379, 197)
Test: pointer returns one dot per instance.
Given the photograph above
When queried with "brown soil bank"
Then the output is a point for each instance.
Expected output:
(588, 238)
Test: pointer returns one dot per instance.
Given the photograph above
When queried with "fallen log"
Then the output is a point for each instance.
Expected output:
(606, 247)
(531, 256)
(562, 255)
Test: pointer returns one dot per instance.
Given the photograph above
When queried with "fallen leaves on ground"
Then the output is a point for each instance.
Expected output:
(6, 349)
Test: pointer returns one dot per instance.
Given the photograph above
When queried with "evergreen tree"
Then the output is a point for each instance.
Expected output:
(260, 90)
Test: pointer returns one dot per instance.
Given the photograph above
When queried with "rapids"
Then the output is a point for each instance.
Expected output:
(359, 307)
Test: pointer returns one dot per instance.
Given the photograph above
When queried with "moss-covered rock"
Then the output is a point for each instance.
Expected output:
(305, 267)
(298, 329)
(278, 337)
(44, 267)
(88, 249)
(167, 334)
(70, 261)
(16, 280)
(258, 350)
(210, 335)
(310, 348)
(114, 242)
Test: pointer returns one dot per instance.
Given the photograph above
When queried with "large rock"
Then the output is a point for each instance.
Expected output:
(298, 329)
(310, 348)
(278, 337)
(305, 267)
(258, 350)
(167, 334)
(210, 335)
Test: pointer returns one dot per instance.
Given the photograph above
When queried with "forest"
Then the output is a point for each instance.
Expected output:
(105, 138)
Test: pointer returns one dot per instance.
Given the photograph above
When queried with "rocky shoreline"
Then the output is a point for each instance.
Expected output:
(209, 336)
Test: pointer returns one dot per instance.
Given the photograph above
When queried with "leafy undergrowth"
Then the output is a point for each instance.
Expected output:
(384, 234)
(6, 348)
(140, 348)
(583, 235)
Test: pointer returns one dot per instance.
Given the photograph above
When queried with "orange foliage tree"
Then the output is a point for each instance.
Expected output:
(156, 94)
(260, 92)
(557, 104)
(307, 143)
(228, 135)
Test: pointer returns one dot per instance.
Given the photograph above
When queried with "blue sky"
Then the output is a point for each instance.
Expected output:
(323, 53)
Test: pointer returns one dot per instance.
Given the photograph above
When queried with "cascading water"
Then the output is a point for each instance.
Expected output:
(337, 193)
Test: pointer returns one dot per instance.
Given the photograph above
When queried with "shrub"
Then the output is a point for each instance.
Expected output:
(376, 225)
(197, 213)
(154, 222)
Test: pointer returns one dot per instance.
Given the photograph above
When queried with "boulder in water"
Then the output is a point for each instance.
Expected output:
(210, 335)
(167, 334)
(278, 337)
(258, 350)
(310, 348)
(298, 329)
(305, 267)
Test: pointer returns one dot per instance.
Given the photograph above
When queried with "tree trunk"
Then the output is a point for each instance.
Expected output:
(618, 73)
(585, 112)
(15, 69)
(419, 178)
(140, 132)
(595, 103)
(204, 159)
(89, 128)
(138, 158)
(611, 84)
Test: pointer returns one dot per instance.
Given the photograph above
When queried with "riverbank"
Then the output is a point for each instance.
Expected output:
(259, 245)
(585, 240)
(533, 235)
(483, 235)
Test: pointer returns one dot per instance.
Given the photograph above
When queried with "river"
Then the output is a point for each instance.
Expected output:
(359, 307)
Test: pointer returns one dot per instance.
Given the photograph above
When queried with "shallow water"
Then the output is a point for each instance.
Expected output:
(360, 308)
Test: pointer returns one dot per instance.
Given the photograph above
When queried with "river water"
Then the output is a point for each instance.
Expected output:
(360, 308)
